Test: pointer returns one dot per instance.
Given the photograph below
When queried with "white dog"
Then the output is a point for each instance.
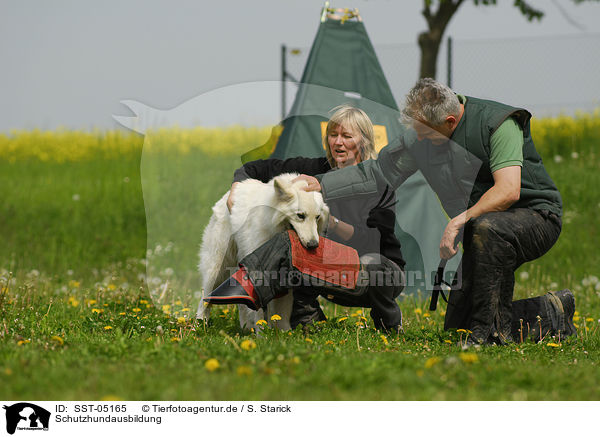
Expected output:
(259, 212)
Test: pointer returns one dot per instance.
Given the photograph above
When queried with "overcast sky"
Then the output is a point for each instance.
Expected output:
(69, 63)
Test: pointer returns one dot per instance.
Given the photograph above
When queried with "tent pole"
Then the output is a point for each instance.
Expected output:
(283, 79)
(449, 62)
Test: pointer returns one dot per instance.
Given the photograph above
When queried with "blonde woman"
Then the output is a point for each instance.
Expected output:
(364, 224)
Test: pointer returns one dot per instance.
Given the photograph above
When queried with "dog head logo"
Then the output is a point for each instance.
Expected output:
(26, 416)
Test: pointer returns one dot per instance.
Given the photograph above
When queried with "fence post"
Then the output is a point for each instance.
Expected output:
(449, 62)
(283, 79)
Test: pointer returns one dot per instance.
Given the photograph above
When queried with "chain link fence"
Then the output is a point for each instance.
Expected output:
(547, 75)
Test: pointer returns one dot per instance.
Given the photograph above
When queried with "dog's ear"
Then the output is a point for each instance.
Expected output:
(282, 190)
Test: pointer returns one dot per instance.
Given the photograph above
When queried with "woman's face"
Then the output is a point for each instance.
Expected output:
(343, 145)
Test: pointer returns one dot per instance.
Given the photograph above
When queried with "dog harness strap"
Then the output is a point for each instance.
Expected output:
(332, 262)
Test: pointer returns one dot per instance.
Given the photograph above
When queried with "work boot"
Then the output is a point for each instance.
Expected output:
(563, 303)
(538, 317)
(237, 289)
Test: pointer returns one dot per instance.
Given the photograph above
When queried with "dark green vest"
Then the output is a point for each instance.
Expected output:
(459, 171)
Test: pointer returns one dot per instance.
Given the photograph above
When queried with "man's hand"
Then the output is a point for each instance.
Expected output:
(313, 183)
(448, 245)
(230, 198)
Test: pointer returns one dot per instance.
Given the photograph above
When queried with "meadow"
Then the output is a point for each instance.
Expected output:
(98, 285)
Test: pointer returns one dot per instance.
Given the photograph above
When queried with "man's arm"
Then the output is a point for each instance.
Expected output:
(505, 191)
(506, 160)
(393, 166)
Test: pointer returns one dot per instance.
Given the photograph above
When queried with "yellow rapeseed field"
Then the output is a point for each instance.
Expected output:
(553, 135)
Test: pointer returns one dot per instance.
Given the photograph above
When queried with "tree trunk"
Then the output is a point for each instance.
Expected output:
(430, 48)
(429, 41)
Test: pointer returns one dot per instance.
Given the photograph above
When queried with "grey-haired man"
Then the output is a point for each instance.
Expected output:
(479, 158)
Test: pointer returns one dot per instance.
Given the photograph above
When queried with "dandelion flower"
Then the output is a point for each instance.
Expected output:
(341, 319)
(308, 340)
(418, 311)
(464, 331)
(22, 342)
(248, 345)
(261, 322)
(468, 357)
(275, 317)
(122, 313)
(244, 371)
(108, 328)
(448, 341)
(212, 364)
(431, 362)
(97, 310)
(184, 310)
(589, 319)
(136, 310)
(57, 339)
(181, 320)
(175, 339)
(553, 345)
(329, 342)
(109, 398)
(384, 339)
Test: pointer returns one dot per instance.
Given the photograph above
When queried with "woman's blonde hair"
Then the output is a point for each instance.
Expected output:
(358, 121)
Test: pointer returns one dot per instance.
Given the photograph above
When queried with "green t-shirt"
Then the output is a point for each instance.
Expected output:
(506, 143)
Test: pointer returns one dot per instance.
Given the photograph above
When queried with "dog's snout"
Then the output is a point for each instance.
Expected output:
(312, 244)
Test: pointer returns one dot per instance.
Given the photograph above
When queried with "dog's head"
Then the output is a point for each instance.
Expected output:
(304, 211)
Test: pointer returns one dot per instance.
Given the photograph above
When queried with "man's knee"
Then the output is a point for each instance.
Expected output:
(487, 232)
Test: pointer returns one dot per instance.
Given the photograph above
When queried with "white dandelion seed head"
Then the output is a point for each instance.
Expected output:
(574, 155)
(524, 276)
(75, 197)
(558, 158)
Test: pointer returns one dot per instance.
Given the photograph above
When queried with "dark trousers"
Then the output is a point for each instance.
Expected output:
(272, 273)
(495, 245)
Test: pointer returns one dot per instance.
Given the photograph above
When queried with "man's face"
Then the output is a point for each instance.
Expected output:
(436, 134)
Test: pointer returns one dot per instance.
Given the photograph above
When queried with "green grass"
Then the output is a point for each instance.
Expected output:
(64, 251)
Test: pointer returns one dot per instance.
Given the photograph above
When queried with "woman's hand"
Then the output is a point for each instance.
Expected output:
(313, 183)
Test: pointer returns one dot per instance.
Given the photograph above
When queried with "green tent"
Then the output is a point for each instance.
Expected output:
(342, 68)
